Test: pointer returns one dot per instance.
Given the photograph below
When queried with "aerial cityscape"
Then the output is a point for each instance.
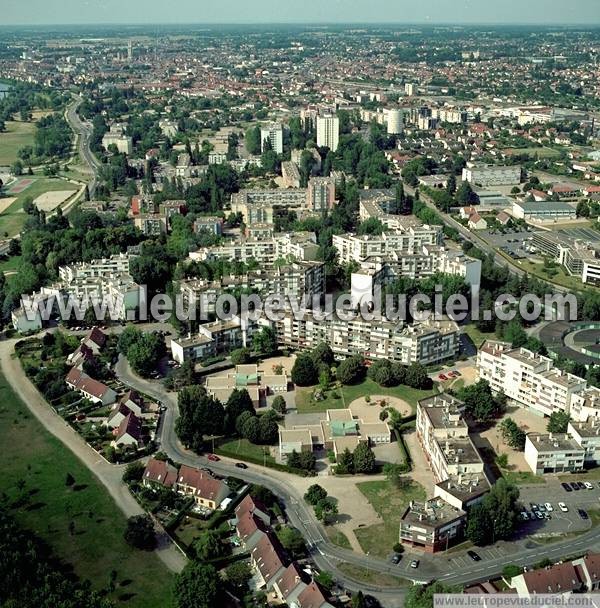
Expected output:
(299, 304)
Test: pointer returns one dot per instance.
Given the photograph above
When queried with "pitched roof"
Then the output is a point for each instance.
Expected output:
(132, 426)
(96, 336)
(204, 485)
(92, 387)
(253, 506)
(592, 564)
(269, 557)
(248, 524)
(289, 580)
(559, 578)
(133, 396)
(120, 409)
(161, 472)
(312, 597)
(74, 376)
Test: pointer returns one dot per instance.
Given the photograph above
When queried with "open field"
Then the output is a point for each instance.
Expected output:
(49, 201)
(337, 537)
(81, 523)
(17, 135)
(344, 396)
(478, 337)
(243, 449)
(13, 218)
(390, 502)
(370, 577)
(541, 152)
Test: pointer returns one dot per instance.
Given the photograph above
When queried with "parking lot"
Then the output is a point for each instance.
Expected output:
(511, 243)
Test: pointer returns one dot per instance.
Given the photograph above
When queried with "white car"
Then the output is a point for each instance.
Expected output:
(588, 485)
(563, 507)
(548, 506)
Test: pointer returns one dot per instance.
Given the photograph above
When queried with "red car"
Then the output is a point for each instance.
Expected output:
(213, 457)
(443, 377)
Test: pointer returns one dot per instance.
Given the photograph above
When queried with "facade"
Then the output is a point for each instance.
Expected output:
(428, 343)
(290, 174)
(543, 211)
(116, 137)
(328, 132)
(91, 389)
(492, 175)
(272, 133)
(527, 378)
(261, 206)
(553, 453)
(320, 194)
(395, 121)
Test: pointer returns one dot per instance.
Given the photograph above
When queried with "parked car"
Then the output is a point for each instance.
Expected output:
(575, 486)
(588, 485)
(566, 487)
(583, 514)
(474, 556)
(549, 507)
(524, 515)
(581, 485)
(241, 465)
(396, 558)
(563, 507)
(213, 457)
(539, 515)
(443, 377)
(414, 563)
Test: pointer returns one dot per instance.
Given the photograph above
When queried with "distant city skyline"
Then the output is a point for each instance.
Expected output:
(70, 12)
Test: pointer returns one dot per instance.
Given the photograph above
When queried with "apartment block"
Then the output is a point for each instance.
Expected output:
(492, 175)
(553, 453)
(527, 378)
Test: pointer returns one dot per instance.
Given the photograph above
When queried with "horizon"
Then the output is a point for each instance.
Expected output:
(312, 12)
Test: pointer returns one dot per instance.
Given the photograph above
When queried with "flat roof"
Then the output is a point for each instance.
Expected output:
(546, 442)
(433, 513)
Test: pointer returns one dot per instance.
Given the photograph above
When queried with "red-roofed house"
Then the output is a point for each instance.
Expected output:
(590, 568)
(268, 560)
(207, 491)
(589, 190)
(559, 578)
(250, 530)
(119, 412)
(476, 222)
(91, 389)
(129, 432)
(159, 472)
(312, 597)
(254, 507)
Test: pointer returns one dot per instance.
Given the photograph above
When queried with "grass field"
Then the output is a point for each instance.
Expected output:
(541, 152)
(390, 502)
(34, 464)
(16, 136)
(10, 264)
(522, 478)
(560, 278)
(13, 218)
(242, 448)
(478, 337)
(370, 577)
(347, 394)
(337, 537)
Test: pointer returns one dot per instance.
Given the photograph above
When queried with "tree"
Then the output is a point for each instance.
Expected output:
(479, 401)
(265, 341)
(512, 434)
(208, 546)
(252, 140)
(133, 472)
(345, 463)
(358, 601)
(268, 429)
(421, 596)
(465, 195)
(558, 422)
(241, 356)
(200, 415)
(417, 377)
(386, 373)
(250, 429)
(478, 530)
(511, 570)
(197, 586)
(292, 541)
(239, 401)
(238, 576)
(363, 459)
(314, 494)
(304, 371)
(139, 533)
(322, 355)
(279, 404)
(326, 509)
(351, 370)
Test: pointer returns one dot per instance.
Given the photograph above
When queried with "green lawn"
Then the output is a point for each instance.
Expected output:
(13, 218)
(371, 577)
(478, 337)
(16, 136)
(522, 478)
(34, 464)
(390, 502)
(10, 264)
(337, 537)
(243, 449)
(347, 394)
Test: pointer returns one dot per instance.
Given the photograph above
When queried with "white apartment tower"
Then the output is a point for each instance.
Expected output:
(274, 134)
(395, 124)
(328, 132)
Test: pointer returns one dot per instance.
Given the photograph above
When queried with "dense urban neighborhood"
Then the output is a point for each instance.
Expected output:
(302, 316)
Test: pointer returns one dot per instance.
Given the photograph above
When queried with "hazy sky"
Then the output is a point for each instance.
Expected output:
(279, 11)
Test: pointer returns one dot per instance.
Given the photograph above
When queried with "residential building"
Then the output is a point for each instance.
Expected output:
(432, 526)
(272, 133)
(91, 389)
(159, 473)
(557, 579)
(320, 194)
(395, 121)
(553, 453)
(492, 175)
(129, 433)
(527, 378)
(262, 206)
(116, 137)
(328, 132)
(290, 174)
(207, 491)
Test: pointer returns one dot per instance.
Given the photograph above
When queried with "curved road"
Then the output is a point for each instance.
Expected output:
(84, 133)
(326, 555)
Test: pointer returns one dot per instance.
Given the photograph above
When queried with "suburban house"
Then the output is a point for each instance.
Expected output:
(159, 473)
(476, 222)
(207, 491)
(129, 432)
(252, 506)
(119, 412)
(91, 389)
(134, 401)
(250, 529)
(268, 560)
